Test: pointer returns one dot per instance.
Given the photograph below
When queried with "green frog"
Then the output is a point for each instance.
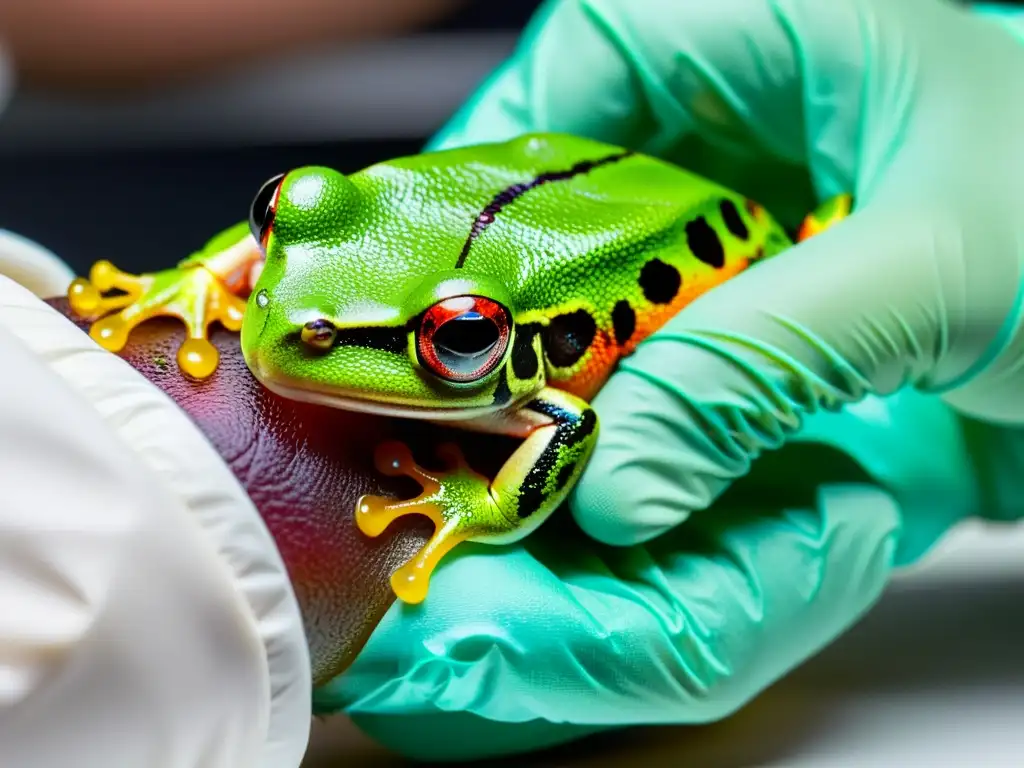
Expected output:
(491, 287)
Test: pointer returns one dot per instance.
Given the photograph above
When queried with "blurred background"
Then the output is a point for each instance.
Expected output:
(139, 128)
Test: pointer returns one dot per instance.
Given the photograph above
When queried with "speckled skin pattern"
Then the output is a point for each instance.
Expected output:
(304, 467)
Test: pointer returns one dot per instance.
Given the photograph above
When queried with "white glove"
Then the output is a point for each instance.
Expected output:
(146, 617)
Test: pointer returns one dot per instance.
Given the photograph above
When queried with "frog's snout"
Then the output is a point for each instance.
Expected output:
(319, 334)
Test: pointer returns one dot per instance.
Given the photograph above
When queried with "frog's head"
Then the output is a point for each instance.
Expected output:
(361, 305)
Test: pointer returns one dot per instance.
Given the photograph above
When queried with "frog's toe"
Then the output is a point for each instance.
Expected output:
(111, 332)
(86, 295)
(375, 513)
(457, 500)
(88, 301)
(393, 458)
(106, 277)
(411, 582)
(198, 357)
(206, 302)
(193, 295)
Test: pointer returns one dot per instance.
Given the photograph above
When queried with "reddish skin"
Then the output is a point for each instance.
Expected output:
(304, 467)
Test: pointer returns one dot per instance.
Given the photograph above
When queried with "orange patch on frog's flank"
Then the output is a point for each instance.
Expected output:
(604, 353)
(652, 317)
(597, 365)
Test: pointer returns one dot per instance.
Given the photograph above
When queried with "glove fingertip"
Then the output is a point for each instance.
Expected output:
(622, 504)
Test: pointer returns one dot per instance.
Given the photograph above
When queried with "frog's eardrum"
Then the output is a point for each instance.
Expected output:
(304, 467)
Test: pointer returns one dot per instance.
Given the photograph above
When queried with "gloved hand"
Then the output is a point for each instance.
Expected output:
(908, 314)
(146, 617)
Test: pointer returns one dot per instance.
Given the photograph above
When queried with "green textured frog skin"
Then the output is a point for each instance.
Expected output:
(494, 287)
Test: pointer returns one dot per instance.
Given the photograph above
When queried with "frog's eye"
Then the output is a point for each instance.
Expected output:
(464, 338)
(263, 208)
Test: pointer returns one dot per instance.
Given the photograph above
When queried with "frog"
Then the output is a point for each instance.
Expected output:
(491, 287)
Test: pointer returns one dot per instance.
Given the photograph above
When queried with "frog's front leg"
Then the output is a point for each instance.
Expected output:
(560, 432)
(205, 288)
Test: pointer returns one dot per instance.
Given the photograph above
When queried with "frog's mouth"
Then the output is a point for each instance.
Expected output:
(333, 399)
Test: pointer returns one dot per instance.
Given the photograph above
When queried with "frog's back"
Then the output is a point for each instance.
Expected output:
(522, 209)
(598, 246)
(602, 246)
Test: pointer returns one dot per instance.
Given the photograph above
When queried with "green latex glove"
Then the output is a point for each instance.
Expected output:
(881, 359)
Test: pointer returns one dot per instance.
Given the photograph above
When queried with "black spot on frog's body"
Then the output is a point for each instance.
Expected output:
(502, 391)
(567, 337)
(571, 428)
(733, 221)
(525, 365)
(704, 243)
(623, 322)
(660, 282)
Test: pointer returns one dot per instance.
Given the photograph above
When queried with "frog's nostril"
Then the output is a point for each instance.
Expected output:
(319, 334)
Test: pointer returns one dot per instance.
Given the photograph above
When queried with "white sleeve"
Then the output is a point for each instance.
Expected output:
(146, 617)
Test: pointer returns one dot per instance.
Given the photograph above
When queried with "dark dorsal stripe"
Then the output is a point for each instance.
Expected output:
(510, 194)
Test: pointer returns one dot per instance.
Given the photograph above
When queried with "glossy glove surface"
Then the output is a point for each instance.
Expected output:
(754, 519)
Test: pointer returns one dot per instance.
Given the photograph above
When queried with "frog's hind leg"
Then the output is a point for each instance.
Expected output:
(826, 215)
(560, 432)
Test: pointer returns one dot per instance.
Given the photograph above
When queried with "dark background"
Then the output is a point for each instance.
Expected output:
(145, 207)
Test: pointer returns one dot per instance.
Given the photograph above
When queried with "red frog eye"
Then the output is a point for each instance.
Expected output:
(263, 209)
(464, 338)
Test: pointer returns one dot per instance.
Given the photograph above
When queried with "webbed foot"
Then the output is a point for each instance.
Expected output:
(457, 500)
(191, 294)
